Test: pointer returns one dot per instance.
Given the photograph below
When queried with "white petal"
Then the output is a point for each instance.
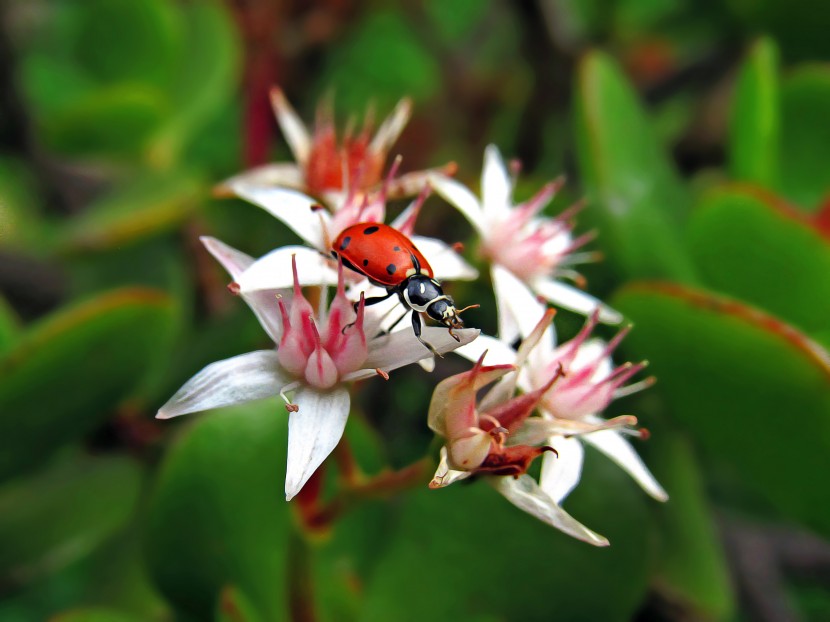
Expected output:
(519, 310)
(294, 130)
(295, 209)
(561, 474)
(243, 378)
(498, 352)
(444, 475)
(446, 263)
(279, 174)
(313, 432)
(273, 271)
(392, 127)
(613, 445)
(459, 196)
(402, 348)
(496, 187)
(574, 299)
(262, 303)
(524, 493)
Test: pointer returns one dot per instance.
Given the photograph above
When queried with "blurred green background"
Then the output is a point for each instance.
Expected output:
(699, 133)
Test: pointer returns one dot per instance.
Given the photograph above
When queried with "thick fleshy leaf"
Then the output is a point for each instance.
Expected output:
(273, 271)
(234, 606)
(446, 263)
(560, 473)
(205, 76)
(540, 572)
(748, 244)
(755, 117)
(9, 326)
(244, 378)
(216, 516)
(401, 348)
(728, 371)
(570, 297)
(613, 445)
(300, 212)
(94, 614)
(146, 206)
(84, 126)
(65, 375)
(525, 493)
(634, 194)
(313, 432)
(805, 98)
(62, 513)
(459, 196)
(691, 566)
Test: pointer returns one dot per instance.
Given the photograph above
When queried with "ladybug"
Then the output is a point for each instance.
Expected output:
(389, 259)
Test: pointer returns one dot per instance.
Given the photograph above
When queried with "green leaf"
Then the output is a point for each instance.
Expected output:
(113, 120)
(128, 40)
(635, 196)
(380, 60)
(477, 557)
(65, 375)
(691, 567)
(62, 513)
(234, 606)
(755, 117)
(9, 326)
(150, 204)
(218, 515)
(734, 377)
(206, 77)
(805, 139)
(747, 244)
(94, 614)
(20, 223)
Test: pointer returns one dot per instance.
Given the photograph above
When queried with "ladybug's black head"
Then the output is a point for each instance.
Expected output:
(425, 295)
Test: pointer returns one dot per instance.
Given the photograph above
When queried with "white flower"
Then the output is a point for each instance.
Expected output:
(526, 251)
(570, 408)
(329, 169)
(481, 438)
(316, 354)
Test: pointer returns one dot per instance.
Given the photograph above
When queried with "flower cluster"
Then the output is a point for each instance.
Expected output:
(544, 401)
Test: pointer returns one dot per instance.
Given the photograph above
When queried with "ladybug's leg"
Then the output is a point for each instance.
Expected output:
(367, 302)
(416, 326)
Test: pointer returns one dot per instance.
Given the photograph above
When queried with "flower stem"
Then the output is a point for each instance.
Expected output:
(300, 582)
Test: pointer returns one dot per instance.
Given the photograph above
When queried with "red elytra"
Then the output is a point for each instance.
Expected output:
(380, 252)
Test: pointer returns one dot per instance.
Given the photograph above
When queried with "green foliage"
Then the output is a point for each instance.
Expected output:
(634, 194)
(691, 565)
(103, 345)
(733, 376)
(218, 516)
(755, 117)
(746, 244)
(62, 513)
(466, 539)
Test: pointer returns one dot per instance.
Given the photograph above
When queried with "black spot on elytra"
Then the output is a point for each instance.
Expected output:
(391, 268)
(365, 262)
(345, 242)
(370, 230)
(396, 248)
